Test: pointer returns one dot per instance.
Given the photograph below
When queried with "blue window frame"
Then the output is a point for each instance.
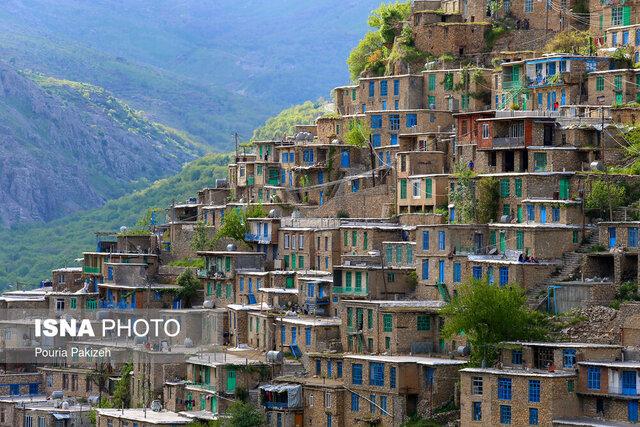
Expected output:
(356, 374)
(504, 276)
(396, 87)
(614, 39)
(637, 37)
(376, 374)
(531, 213)
(543, 214)
(393, 139)
(563, 66)
(339, 369)
(329, 420)
(384, 105)
(329, 368)
(307, 338)
(318, 367)
(392, 377)
(376, 121)
(505, 414)
(593, 378)
(394, 122)
(457, 272)
(428, 376)
(534, 391)
(555, 214)
(372, 403)
(504, 388)
(383, 403)
(633, 237)
(412, 120)
(625, 38)
(388, 157)
(372, 88)
(355, 185)
(477, 411)
(364, 108)
(632, 411)
(396, 105)
(355, 402)
(283, 334)
(533, 416)
(568, 357)
(476, 272)
(376, 140)
(425, 240)
(425, 269)
(441, 240)
(384, 87)
(516, 357)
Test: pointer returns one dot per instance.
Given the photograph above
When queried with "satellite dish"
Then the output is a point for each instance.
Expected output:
(156, 406)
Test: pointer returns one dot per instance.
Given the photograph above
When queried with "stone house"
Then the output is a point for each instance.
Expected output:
(214, 379)
(391, 327)
(612, 14)
(387, 390)
(360, 238)
(623, 36)
(263, 237)
(73, 382)
(238, 315)
(247, 284)
(303, 334)
(314, 296)
(614, 87)
(299, 239)
(51, 413)
(67, 279)
(369, 279)
(261, 332)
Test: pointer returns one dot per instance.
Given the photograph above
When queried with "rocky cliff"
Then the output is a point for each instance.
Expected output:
(66, 146)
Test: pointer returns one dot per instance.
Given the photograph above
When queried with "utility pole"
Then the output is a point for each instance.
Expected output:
(235, 135)
(547, 7)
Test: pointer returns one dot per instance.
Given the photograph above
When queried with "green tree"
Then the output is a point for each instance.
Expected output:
(189, 286)
(244, 415)
(150, 217)
(234, 225)
(369, 54)
(100, 377)
(122, 390)
(358, 134)
(488, 200)
(604, 197)
(256, 211)
(388, 19)
(489, 314)
(200, 240)
(283, 124)
(576, 42)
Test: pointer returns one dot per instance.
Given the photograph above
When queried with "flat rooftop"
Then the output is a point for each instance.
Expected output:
(145, 416)
(427, 361)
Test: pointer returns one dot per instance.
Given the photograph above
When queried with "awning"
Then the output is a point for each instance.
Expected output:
(61, 416)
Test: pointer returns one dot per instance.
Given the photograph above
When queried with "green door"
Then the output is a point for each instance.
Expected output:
(189, 401)
(214, 405)
(207, 375)
(503, 242)
(515, 75)
(519, 213)
(289, 283)
(626, 15)
(231, 381)
(564, 188)
(619, 99)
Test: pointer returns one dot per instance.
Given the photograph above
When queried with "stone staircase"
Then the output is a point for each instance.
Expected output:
(571, 264)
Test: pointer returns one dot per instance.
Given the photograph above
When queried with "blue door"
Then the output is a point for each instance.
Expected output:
(294, 335)
(441, 271)
(563, 99)
(629, 383)
(632, 411)
(612, 237)
(543, 214)
(321, 199)
(345, 159)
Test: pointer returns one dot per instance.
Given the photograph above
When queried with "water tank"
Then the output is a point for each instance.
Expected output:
(596, 166)
(463, 350)
(65, 405)
(140, 340)
(275, 357)
(207, 304)
(58, 394)
(188, 342)
(156, 406)
(231, 247)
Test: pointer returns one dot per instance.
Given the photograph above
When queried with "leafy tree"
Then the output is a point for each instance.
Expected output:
(256, 211)
(489, 314)
(369, 54)
(200, 240)
(576, 42)
(488, 200)
(189, 286)
(605, 196)
(122, 390)
(388, 19)
(358, 134)
(243, 414)
(234, 225)
(463, 195)
(150, 217)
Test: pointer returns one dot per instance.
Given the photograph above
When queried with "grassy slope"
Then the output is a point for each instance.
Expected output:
(29, 253)
(283, 123)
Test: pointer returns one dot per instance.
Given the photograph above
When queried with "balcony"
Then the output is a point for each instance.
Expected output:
(257, 238)
(91, 270)
(275, 405)
(203, 273)
(514, 84)
(112, 305)
(202, 386)
(509, 142)
(351, 291)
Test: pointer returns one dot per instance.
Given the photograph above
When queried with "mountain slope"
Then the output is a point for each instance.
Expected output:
(28, 253)
(66, 147)
(284, 122)
(210, 67)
